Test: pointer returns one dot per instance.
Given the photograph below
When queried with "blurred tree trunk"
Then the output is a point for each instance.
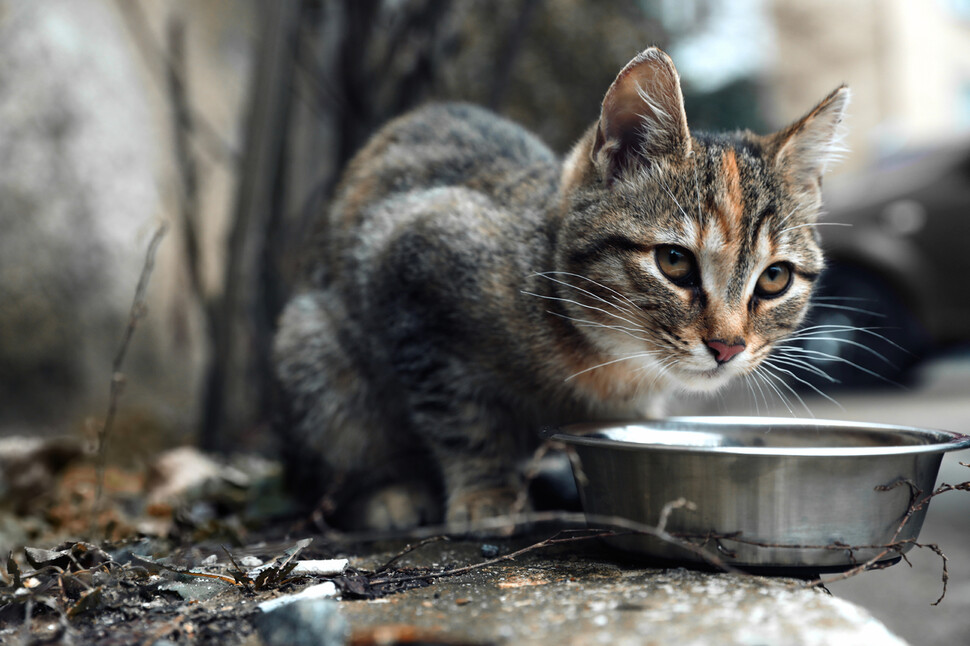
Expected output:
(327, 74)
(237, 379)
(360, 63)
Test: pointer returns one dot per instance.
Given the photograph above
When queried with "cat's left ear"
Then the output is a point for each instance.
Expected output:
(642, 116)
(804, 149)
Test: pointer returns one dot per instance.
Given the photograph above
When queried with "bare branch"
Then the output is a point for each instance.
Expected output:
(410, 548)
(669, 507)
(163, 67)
(895, 545)
(615, 526)
(553, 540)
(139, 309)
(503, 524)
(183, 129)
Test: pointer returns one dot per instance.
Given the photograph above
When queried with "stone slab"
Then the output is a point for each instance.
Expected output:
(588, 599)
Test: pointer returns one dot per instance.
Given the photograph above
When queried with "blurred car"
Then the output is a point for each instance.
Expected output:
(896, 290)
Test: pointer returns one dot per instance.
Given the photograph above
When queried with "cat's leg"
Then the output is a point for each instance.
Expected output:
(479, 453)
(341, 448)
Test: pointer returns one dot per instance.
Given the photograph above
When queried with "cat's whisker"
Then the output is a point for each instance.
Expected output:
(772, 380)
(596, 297)
(846, 308)
(824, 356)
(668, 337)
(835, 339)
(754, 398)
(816, 331)
(764, 395)
(804, 365)
(781, 397)
(768, 369)
(602, 326)
(773, 364)
(547, 275)
(750, 378)
(788, 217)
(664, 368)
(841, 326)
(663, 185)
(816, 224)
(843, 298)
(597, 324)
(629, 357)
(826, 328)
(583, 305)
(666, 359)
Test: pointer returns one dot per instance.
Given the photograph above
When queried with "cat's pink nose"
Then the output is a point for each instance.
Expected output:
(722, 351)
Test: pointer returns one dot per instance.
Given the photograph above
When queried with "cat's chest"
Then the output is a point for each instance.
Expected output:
(610, 389)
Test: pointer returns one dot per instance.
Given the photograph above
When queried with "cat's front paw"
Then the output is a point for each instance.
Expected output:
(394, 507)
(470, 507)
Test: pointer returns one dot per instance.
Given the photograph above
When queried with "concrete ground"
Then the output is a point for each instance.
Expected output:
(900, 596)
(584, 595)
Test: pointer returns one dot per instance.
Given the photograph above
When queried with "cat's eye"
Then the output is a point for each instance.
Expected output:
(774, 280)
(676, 263)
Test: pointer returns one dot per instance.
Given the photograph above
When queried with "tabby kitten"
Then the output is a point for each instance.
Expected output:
(469, 288)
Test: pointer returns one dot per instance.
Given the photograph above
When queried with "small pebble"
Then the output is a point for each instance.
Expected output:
(489, 551)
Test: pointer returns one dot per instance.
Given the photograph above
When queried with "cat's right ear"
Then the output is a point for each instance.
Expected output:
(642, 117)
(803, 150)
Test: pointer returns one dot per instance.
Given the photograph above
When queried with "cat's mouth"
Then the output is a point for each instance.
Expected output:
(712, 373)
(705, 379)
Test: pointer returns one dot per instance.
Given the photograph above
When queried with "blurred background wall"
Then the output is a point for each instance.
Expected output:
(230, 121)
(908, 63)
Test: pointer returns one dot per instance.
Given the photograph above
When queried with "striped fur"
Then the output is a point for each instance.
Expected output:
(468, 288)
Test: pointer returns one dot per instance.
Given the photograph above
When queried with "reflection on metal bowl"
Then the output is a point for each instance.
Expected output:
(770, 493)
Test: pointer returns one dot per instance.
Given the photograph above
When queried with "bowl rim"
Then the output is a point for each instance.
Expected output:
(945, 440)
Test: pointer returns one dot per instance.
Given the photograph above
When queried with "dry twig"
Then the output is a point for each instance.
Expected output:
(690, 542)
(162, 66)
(139, 308)
(617, 526)
(553, 540)
(896, 546)
(410, 548)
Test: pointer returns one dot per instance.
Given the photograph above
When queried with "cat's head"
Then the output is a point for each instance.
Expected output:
(694, 252)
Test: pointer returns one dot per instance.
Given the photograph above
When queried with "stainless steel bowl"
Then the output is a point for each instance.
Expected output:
(769, 492)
